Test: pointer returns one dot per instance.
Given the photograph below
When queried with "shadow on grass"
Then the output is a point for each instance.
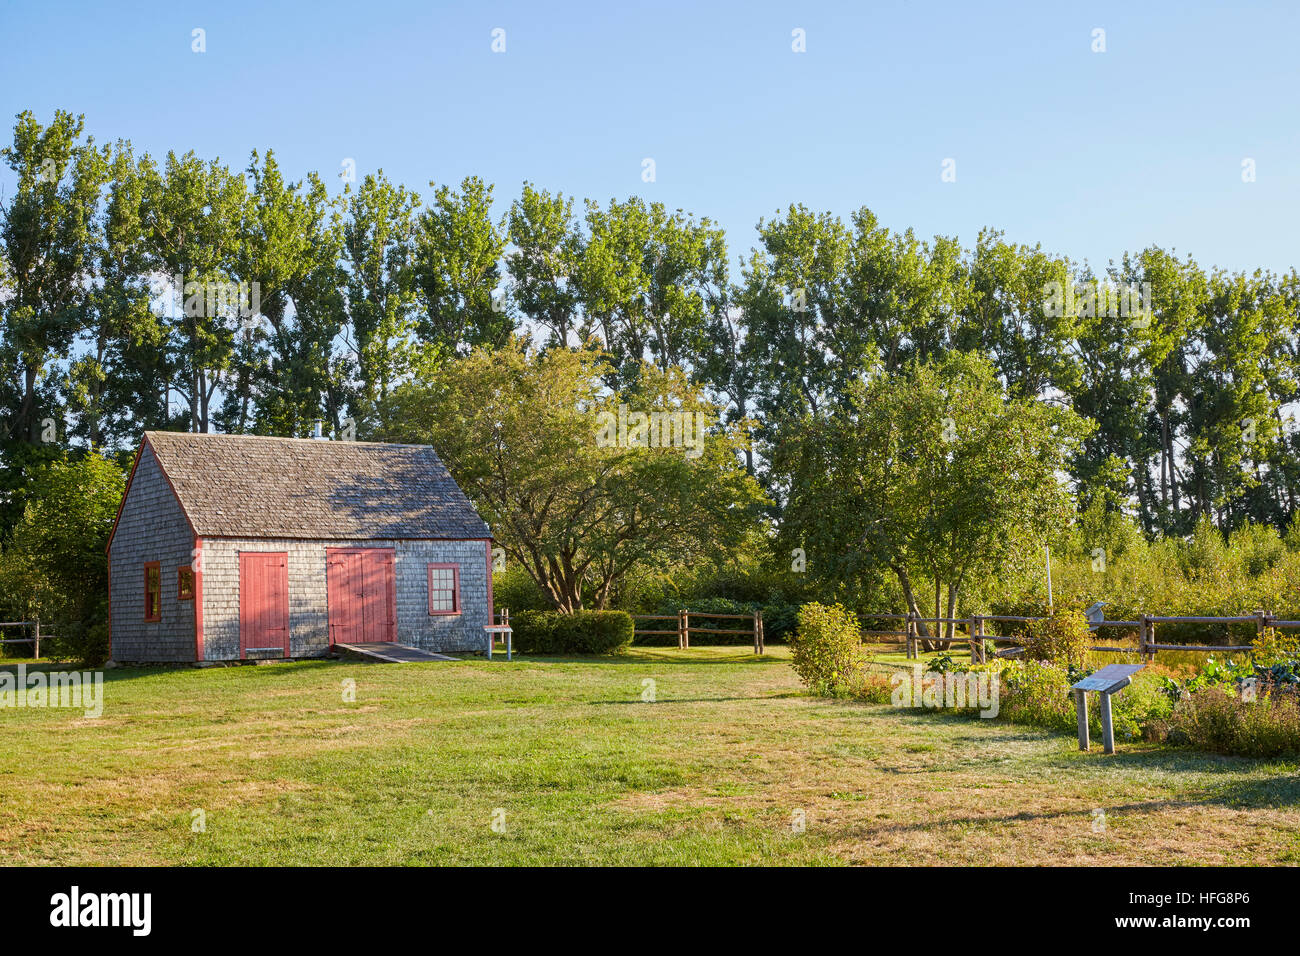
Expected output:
(665, 701)
(1277, 793)
(641, 658)
(114, 674)
(1281, 789)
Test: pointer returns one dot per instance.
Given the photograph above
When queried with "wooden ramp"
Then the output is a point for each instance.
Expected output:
(390, 652)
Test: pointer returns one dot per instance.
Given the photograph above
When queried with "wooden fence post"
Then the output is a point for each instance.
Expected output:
(681, 634)
(976, 642)
(762, 634)
(1145, 637)
(911, 635)
(1261, 622)
(686, 628)
(37, 652)
(757, 644)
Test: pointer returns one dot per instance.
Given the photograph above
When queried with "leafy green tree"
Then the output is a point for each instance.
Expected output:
(48, 237)
(458, 250)
(568, 498)
(1013, 315)
(652, 281)
(933, 472)
(292, 243)
(907, 296)
(794, 300)
(1180, 293)
(53, 567)
(192, 216)
(1229, 415)
(114, 388)
(1280, 320)
(543, 263)
(379, 260)
(1113, 353)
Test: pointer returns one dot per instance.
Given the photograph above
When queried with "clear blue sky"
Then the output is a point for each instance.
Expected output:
(1089, 153)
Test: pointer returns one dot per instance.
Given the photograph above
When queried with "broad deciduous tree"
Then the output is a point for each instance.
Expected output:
(537, 441)
(930, 472)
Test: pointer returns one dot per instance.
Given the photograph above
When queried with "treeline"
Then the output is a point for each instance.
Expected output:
(178, 292)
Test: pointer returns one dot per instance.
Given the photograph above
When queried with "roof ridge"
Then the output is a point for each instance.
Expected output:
(317, 441)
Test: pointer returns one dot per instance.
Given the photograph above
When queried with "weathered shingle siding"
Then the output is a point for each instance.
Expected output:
(152, 527)
(308, 598)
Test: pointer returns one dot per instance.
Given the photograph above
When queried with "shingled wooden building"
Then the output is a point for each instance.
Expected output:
(229, 547)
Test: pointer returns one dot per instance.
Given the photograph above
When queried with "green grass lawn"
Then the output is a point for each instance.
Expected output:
(714, 771)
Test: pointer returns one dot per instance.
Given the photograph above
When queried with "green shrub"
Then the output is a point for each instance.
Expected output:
(1211, 673)
(534, 631)
(1136, 707)
(595, 632)
(826, 649)
(1256, 548)
(54, 567)
(1061, 639)
(582, 632)
(1270, 726)
(1276, 647)
(874, 688)
(1215, 719)
(514, 589)
(1037, 692)
(941, 664)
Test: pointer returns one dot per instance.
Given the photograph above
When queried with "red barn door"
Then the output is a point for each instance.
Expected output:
(362, 594)
(263, 602)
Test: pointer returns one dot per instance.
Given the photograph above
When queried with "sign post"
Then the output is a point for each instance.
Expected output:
(1111, 679)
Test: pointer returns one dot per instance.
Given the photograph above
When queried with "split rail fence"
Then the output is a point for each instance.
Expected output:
(1147, 645)
(683, 629)
(34, 640)
(501, 618)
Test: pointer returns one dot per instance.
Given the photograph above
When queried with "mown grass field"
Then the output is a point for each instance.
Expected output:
(586, 772)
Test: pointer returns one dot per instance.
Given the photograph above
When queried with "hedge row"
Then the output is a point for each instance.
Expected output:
(582, 632)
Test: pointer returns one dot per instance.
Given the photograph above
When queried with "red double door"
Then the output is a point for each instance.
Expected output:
(362, 595)
(263, 602)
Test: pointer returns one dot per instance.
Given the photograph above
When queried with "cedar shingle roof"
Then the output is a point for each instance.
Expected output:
(253, 486)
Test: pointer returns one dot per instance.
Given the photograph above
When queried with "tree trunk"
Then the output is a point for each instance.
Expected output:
(905, 582)
(1164, 459)
(954, 592)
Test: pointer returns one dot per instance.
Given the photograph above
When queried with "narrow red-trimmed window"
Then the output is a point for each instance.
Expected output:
(185, 584)
(444, 589)
(152, 591)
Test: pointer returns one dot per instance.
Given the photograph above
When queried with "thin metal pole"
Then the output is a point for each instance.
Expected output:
(1048, 549)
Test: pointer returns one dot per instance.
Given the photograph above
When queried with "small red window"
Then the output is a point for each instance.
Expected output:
(185, 584)
(152, 591)
(444, 589)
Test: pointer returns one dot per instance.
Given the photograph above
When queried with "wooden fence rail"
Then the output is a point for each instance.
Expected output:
(34, 640)
(683, 629)
(1147, 645)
